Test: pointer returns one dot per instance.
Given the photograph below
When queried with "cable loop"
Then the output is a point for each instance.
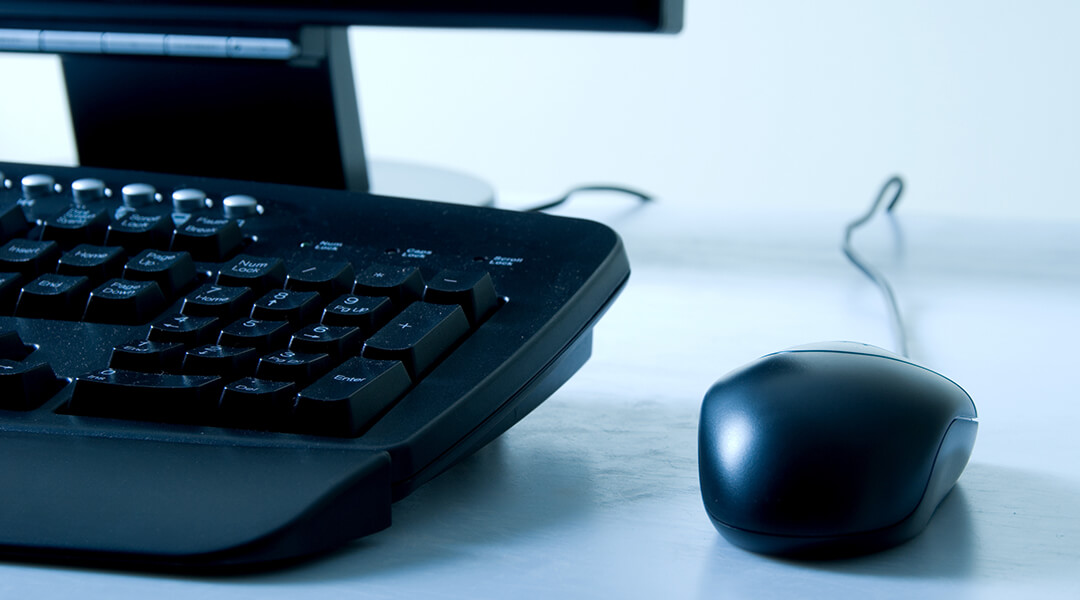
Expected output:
(875, 276)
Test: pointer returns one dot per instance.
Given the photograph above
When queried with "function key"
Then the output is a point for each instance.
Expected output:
(122, 301)
(211, 239)
(403, 285)
(255, 333)
(96, 262)
(26, 385)
(255, 272)
(147, 356)
(173, 271)
(217, 301)
(471, 290)
(188, 200)
(329, 279)
(85, 191)
(53, 296)
(138, 195)
(347, 400)
(419, 336)
(37, 186)
(189, 331)
(29, 257)
(287, 305)
(138, 232)
(368, 313)
(77, 225)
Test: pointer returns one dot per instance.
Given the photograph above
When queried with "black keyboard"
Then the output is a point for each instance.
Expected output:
(205, 373)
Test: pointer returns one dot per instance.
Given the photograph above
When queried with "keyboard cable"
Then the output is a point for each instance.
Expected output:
(583, 189)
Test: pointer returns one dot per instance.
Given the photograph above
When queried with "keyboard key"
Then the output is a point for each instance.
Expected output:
(12, 220)
(173, 271)
(419, 336)
(87, 191)
(254, 403)
(189, 200)
(124, 302)
(259, 274)
(221, 301)
(10, 286)
(147, 356)
(138, 195)
(403, 285)
(38, 185)
(241, 206)
(367, 313)
(140, 232)
(145, 396)
(189, 331)
(329, 279)
(346, 401)
(256, 333)
(324, 339)
(208, 238)
(98, 263)
(286, 365)
(12, 346)
(77, 225)
(53, 296)
(226, 361)
(471, 290)
(25, 385)
(287, 305)
(29, 257)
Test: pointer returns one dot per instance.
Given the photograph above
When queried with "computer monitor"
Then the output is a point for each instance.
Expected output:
(252, 89)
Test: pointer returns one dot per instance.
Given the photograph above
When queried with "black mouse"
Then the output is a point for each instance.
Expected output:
(830, 449)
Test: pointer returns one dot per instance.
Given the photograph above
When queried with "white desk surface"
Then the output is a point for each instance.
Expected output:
(595, 494)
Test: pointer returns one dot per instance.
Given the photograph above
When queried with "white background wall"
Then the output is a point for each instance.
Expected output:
(771, 103)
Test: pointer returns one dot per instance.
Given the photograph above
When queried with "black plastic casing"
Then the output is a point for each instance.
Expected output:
(132, 493)
(661, 16)
(830, 450)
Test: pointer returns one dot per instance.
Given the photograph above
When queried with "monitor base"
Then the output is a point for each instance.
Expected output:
(425, 182)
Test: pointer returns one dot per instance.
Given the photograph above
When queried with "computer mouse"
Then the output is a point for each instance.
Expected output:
(830, 449)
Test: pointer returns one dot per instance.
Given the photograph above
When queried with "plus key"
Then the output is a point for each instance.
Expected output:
(421, 335)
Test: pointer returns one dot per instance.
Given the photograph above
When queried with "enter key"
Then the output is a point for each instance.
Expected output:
(346, 401)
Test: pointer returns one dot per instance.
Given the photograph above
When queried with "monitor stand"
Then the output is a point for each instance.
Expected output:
(283, 121)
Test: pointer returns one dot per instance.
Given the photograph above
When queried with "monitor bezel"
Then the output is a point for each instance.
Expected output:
(658, 16)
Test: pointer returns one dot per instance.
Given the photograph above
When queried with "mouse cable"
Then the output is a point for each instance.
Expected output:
(874, 275)
(590, 188)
